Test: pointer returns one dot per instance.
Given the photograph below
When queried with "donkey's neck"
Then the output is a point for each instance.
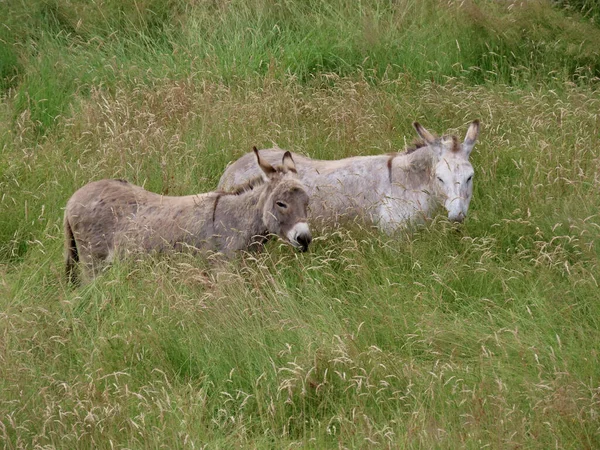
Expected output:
(413, 170)
(237, 218)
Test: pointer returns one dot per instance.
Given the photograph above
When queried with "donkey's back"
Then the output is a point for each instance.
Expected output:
(311, 171)
(107, 214)
(246, 168)
(344, 189)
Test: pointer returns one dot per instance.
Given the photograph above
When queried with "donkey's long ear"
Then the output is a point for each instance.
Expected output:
(471, 137)
(428, 137)
(264, 166)
(288, 162)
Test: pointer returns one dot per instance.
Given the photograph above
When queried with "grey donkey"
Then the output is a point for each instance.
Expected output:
(388, 191)
(113, 217)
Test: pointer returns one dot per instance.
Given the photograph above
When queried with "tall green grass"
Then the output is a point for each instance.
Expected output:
(72, 45)
(438, 337)
(587, 8)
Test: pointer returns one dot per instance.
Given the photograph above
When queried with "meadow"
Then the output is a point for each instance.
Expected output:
(485, 335)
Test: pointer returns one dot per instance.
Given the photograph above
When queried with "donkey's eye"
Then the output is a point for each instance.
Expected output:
(281, 205)
(440, 180)
(469, 179)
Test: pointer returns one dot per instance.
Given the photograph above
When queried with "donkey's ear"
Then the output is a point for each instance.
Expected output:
(471, 137)
(428, 137)
(264, 166)
(288, 162)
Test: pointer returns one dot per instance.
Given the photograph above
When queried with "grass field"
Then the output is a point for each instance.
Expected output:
(485, 335)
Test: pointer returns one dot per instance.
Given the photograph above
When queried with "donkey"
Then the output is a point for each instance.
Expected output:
(110, 217)
(387, 191)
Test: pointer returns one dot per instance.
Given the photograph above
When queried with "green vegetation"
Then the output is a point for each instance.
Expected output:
(441, 337)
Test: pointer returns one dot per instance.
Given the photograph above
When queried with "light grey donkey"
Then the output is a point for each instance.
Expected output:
(113, 217)
(387, 190)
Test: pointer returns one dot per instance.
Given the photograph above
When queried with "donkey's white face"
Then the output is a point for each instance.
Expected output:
(453, 173)
(454, 185)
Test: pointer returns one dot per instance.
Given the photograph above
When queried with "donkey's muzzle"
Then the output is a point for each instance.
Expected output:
(299, 236)
(457, 218)
(304, 241)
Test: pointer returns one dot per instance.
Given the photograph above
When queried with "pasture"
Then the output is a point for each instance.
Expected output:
(482, 335)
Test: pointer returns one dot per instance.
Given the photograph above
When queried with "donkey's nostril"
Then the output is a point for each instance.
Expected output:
(304, 240)
(459, 218)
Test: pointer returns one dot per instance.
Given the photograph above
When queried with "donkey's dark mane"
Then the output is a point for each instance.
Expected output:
(253, 182)
(237, 190)
(243, 188)
(416, 145)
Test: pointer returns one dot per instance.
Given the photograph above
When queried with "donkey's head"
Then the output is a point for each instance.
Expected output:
(285, 208)
(453, 173)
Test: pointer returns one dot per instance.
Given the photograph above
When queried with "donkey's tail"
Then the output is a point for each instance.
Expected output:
(71, 253)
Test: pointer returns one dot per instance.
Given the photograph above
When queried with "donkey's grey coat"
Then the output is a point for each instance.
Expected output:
(386, 190)
(113, 216)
